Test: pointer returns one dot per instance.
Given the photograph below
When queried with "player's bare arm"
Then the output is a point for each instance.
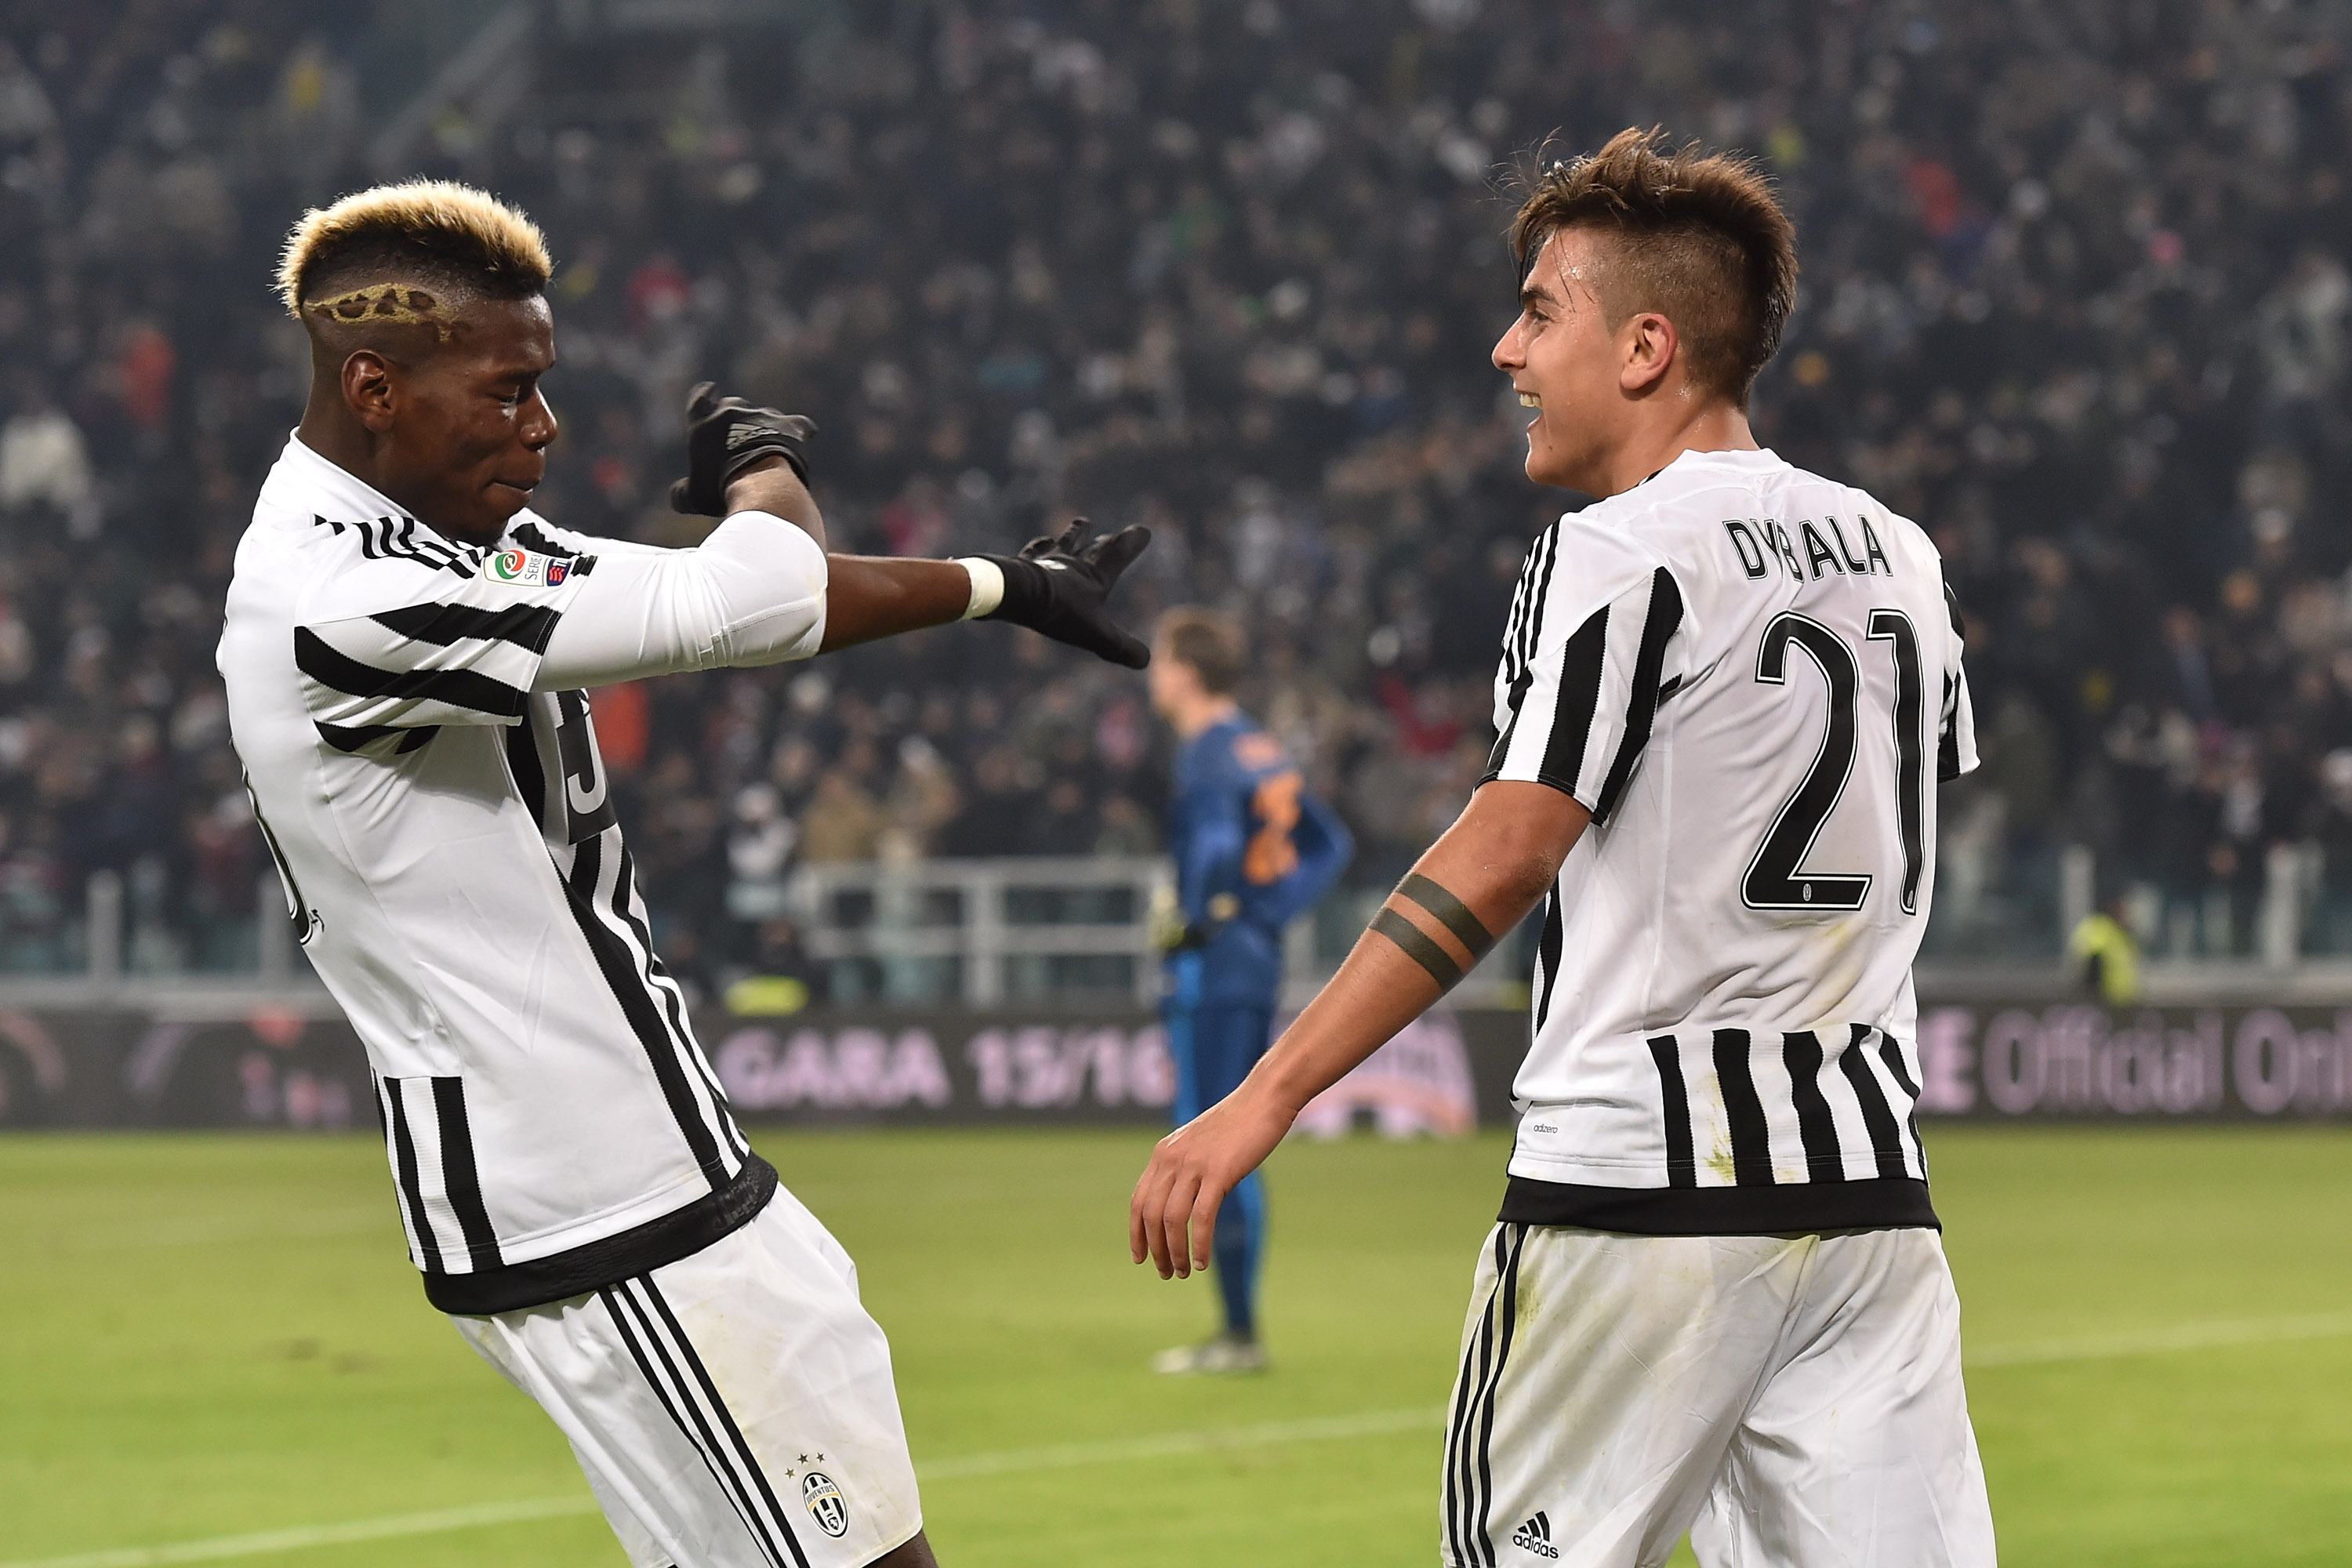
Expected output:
(433, 397)
(866, 598)
(741, 459)
(1476, 881)
(1057, 586)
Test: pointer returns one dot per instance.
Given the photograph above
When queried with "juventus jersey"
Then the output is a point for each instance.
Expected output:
(435, 801)
(1751, 676)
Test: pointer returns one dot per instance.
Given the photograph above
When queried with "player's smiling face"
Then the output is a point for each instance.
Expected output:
(1565, 363)
(467, 441)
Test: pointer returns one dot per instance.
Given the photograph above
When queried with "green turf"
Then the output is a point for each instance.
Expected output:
(206, 1336)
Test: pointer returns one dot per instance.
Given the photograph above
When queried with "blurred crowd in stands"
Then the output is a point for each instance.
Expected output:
(2076, 298)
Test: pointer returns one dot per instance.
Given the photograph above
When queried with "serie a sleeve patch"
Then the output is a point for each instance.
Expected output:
(526, 568)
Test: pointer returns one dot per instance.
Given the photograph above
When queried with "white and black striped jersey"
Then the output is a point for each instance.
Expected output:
(421, 755)
(1751, 676)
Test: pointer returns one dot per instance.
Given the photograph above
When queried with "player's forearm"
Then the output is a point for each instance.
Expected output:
(1474, 883)
(1056, 586)
(758, 591)
(868, 598)
(1377, 993)
(772, 487)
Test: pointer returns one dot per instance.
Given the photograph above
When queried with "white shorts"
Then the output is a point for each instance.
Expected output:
(733, 1409)
(1793, 1402)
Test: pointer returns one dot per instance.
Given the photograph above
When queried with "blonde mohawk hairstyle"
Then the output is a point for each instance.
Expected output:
(455, 239)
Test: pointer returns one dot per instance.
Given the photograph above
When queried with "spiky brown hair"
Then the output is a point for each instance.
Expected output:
(347, 261)
(1699, 238)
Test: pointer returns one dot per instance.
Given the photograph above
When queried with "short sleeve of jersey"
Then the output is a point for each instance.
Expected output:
(401, 648)
(1585, 654)
(1956, 740)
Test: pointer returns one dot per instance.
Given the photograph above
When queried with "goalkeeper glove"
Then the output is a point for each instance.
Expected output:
(1172, 932)
(725, 435)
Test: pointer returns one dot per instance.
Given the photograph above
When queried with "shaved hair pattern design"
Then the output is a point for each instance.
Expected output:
(388, 304)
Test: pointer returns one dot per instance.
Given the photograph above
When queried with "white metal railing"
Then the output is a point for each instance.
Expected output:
(987, 933)
(902, 918)
(965, 913)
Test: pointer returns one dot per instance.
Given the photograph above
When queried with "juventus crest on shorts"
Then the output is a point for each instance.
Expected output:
(1751, 676)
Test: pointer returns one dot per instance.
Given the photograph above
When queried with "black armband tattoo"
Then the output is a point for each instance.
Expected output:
(1418, 946)
(1450, 912)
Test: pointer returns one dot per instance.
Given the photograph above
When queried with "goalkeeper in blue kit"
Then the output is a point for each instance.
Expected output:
(1253, 852)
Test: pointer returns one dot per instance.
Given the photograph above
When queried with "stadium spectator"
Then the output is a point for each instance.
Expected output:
(2077, 301)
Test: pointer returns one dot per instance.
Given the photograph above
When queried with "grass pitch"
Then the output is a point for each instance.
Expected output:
(204, 1337)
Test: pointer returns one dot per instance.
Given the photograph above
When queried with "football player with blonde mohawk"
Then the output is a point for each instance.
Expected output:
(407, 654)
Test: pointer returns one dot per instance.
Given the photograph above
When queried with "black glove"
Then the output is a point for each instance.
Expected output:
(725, 435)
(1057, 587)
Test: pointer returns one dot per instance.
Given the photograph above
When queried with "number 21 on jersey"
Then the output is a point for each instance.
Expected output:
(1776, 879)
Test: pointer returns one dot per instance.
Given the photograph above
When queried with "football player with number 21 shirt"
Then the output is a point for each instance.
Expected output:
(1716, 1300)
(407, 652)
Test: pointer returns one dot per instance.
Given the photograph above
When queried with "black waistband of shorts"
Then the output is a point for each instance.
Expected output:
(1880, 1204)
(640, 1249)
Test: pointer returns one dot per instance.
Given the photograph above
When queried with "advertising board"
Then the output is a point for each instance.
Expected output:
(274, 1066)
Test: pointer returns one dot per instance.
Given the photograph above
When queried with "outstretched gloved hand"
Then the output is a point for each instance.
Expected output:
(1058, 587)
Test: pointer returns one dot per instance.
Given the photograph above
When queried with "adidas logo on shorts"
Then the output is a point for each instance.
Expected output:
(1536, 1536)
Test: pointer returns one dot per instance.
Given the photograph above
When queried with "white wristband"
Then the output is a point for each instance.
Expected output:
(987, 585)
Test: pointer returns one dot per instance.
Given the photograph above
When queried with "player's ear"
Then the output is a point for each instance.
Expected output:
(370, 388)
(1650, 343)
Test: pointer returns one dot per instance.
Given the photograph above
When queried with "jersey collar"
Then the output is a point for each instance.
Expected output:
(1733, 454)
(305, 482)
